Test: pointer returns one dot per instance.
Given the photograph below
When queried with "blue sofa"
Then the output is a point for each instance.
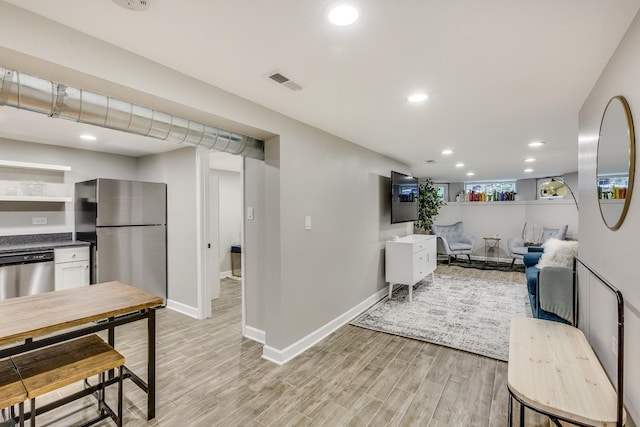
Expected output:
(554, 279)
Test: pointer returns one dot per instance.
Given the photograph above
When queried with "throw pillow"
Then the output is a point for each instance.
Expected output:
(556, 233)
(532, 234)
(558, 253)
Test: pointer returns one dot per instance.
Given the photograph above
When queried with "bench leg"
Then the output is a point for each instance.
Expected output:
(521, 415)
(101, 395)
(12, 415)
(32, 413)
(120, 414)
(510, 416)
(21, 418)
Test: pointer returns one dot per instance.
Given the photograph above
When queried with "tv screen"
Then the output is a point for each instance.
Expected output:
(404, 198)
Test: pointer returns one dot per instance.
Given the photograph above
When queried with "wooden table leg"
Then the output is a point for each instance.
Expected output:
(151, 368)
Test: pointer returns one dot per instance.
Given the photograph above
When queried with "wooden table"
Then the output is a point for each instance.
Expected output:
(553, 370)
(24, 321)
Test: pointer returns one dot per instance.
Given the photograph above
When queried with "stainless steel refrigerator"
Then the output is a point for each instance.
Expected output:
(126, 223)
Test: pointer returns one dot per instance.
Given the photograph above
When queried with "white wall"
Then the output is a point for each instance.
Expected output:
(178, 170)
(339, 262)
(16, 218)
(612, 254)
(255, 230)
(230, 215)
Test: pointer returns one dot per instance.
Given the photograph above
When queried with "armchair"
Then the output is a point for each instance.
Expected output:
(533, 235)
(451, 242)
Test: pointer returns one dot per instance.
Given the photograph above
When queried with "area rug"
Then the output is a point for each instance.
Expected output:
(491, 265)
(467, 314)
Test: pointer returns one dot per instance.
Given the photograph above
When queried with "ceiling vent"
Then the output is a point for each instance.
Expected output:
(137, 5)
(284, 81)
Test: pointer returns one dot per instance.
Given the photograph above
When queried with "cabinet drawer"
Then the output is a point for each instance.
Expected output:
(420, 261)
(78, 253)
(417, 247)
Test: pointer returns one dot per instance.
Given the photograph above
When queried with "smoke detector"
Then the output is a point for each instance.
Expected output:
(137, 5)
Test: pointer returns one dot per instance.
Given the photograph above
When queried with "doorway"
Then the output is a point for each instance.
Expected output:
(225, 219)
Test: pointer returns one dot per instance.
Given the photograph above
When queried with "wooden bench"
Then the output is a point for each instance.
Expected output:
(57, 366)
(553, 370)
(12, 391)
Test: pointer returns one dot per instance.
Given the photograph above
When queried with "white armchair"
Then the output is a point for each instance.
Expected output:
(451, 241)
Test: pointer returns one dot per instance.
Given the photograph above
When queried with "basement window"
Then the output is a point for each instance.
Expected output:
(494, 191)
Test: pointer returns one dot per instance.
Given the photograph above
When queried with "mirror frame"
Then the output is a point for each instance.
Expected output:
(632, 160)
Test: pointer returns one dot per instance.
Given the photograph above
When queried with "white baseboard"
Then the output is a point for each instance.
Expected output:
(224, 274)
(183, 308)
(254, 334)
(281, 357)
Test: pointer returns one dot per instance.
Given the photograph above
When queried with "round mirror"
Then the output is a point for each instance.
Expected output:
(615, 162)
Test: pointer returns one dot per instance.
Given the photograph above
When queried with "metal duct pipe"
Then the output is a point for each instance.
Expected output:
(57, 100)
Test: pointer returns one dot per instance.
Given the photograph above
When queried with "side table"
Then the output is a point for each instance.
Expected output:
(491, 244)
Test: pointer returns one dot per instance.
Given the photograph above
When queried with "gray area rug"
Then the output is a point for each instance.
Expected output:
(467, 314)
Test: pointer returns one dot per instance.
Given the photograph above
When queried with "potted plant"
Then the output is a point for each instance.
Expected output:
(429, 204)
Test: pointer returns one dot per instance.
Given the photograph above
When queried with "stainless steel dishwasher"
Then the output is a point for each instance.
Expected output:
(26, 273)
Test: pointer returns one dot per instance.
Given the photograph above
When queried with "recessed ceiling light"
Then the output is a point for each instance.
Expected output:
(536, 144)
(529, 160)
(343, 15)
(470, 173)
(418, 97)
(459, 165)
(529, 170)
(447, 152)
(88, 137)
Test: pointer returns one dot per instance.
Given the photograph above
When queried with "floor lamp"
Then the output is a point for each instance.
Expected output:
(555, 188)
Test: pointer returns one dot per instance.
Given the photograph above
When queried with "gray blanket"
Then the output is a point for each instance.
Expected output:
(556, 291)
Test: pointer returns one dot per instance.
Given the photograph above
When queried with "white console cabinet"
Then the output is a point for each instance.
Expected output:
(71, 267)
(409, 260)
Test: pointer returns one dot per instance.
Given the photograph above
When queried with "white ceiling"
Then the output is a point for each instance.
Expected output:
(501, 73)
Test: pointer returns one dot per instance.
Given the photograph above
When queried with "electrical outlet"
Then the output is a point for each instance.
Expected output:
(39, 220)
(614, 345)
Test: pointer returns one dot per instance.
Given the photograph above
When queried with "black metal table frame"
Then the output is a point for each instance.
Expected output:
(620, 368)
(149, 387)
(489, 246)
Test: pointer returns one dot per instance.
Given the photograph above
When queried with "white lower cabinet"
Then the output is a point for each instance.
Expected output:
(409, 260)
(71, 267)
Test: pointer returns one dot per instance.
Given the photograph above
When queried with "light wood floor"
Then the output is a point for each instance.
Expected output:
(208, 375)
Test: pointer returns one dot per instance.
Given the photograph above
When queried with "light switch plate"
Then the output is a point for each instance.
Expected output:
(307, 222)
(250, 213)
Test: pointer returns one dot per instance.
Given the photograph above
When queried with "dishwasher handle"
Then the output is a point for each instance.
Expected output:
(25, 257)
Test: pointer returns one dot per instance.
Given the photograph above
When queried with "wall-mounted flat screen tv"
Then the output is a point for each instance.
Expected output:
(404, 198)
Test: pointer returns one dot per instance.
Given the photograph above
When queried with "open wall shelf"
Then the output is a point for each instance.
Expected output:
(29, 182)
(36, 166)
(35, 199)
